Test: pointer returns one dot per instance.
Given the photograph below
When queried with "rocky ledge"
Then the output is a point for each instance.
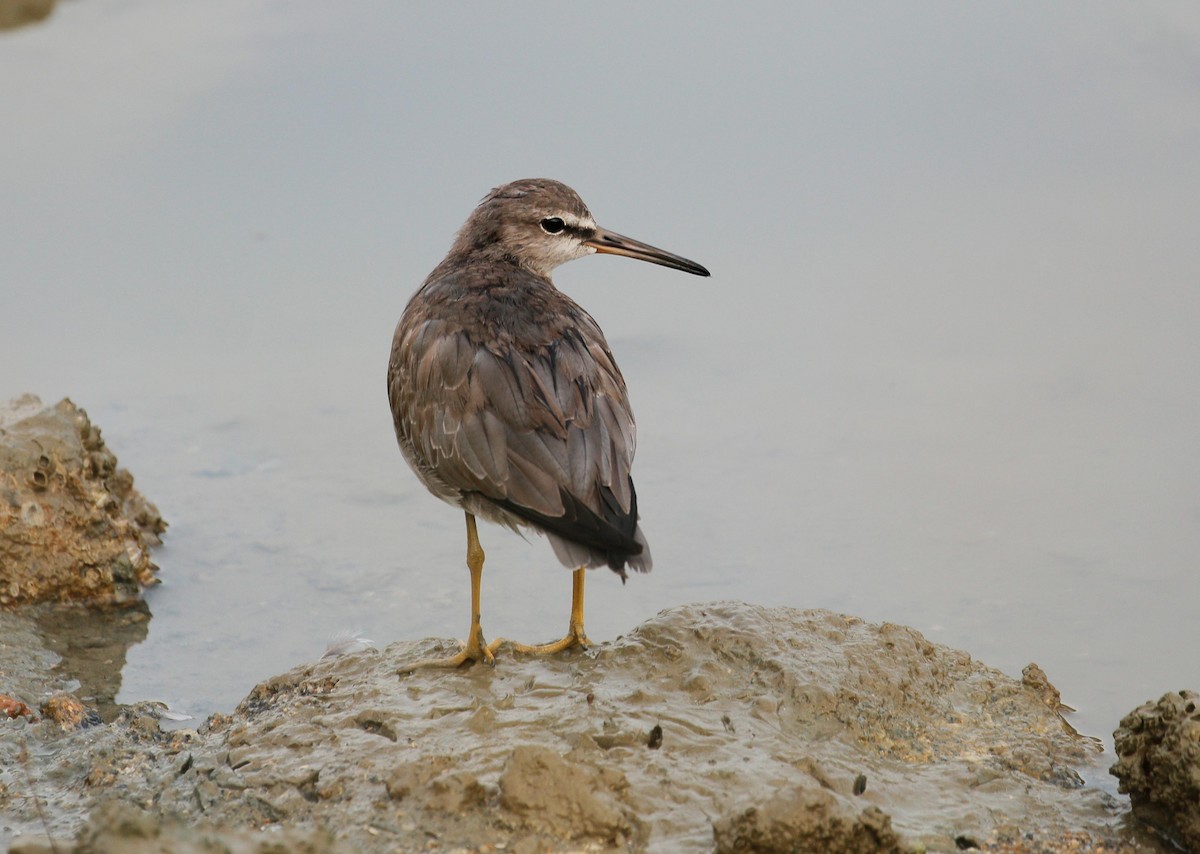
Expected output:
(723, 726)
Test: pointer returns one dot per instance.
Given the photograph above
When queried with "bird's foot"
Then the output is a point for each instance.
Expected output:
(575, 637)
(474, 650)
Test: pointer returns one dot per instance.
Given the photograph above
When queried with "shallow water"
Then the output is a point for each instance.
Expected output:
(944, 374)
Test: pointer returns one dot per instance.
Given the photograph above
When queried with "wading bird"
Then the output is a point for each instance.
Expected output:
(506, 398)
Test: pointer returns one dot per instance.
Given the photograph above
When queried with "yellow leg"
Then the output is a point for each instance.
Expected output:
(476, 648)
(575, 635)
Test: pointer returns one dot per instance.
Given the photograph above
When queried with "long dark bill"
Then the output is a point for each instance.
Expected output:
(611, 243)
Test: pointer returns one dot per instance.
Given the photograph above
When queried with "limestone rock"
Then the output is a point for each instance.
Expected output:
(72, 526)
(1158, 750)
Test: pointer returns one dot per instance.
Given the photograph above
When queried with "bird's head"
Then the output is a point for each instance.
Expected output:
(539, 224)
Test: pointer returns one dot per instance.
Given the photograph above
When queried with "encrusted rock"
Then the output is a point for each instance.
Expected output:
(1035, 679)
(68, 712)
(1158, 745)
(11, 707)
(72, 526)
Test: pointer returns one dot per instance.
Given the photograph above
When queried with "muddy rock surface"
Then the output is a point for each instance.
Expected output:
(72, 526)
(118, 828)
(1158, 750)
(723, 727)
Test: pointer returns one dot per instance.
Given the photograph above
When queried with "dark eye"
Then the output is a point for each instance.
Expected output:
(553, 225)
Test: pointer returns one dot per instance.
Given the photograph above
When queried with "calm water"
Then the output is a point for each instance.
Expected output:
(946, 372)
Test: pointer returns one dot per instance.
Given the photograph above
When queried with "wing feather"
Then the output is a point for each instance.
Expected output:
(542, 429)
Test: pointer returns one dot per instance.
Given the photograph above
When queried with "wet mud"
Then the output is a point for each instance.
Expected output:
(725, 727)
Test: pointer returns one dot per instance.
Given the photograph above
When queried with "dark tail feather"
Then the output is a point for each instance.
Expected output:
(611, 532)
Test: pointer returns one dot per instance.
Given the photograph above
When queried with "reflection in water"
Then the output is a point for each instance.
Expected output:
(93, 644)
(18, 13)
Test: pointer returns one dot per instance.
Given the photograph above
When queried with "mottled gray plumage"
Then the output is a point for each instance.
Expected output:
(506, 398)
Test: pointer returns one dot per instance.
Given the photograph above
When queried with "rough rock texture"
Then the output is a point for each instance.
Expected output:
(72, 526)
(51, 771)
(546, 793)
(125, 829)
(806, 818)
(777, 729)
(1158, 750)
(1035, 679)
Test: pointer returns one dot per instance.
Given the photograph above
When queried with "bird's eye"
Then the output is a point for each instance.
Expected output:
(553, 225)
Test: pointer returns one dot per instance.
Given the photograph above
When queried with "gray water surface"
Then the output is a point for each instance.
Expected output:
(946, 372)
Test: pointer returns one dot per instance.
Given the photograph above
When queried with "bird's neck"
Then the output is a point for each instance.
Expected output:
(463, 255)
